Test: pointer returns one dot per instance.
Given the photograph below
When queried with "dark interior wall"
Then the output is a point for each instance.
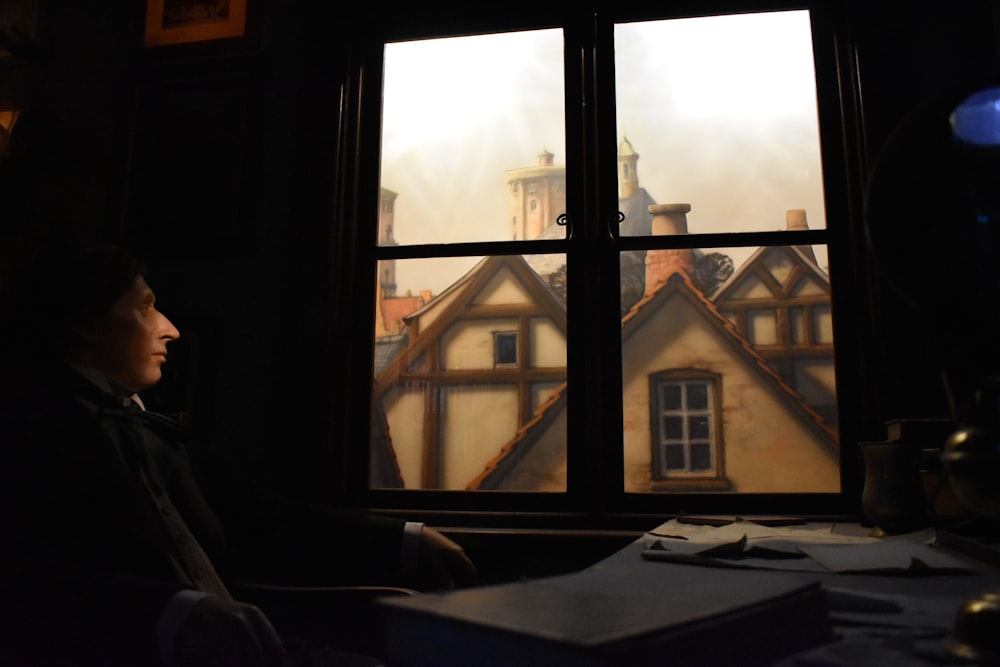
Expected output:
(214, 161)
(237, 216)
(913, 58)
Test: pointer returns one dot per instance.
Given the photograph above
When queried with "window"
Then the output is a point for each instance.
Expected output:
(505, 348)
(661, 327)
(687, 450)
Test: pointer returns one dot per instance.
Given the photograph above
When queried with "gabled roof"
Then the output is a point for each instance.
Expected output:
(747, 267)
(476, 278)
(459, 296)
(452, 303)
(679, 284)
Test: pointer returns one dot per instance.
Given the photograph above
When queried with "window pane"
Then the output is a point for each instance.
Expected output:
(698, 428)
(473, 138)
(454, 405)
(674, 428)
(675, 457)
(777, 394)
(723, 111)
(671, 396)
(505, 349)
(701, 457)
(697, 396)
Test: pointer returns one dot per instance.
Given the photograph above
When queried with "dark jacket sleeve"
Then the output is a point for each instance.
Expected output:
(77, 584)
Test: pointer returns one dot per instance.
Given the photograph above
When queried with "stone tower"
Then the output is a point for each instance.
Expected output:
(536, 196)
(628, 176)
(386, 218)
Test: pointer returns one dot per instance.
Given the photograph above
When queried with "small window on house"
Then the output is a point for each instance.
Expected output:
(505, 348)
(534, 205)
(686, 432)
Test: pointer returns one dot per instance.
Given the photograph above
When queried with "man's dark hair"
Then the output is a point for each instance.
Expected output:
(91, 279)
(63, 290)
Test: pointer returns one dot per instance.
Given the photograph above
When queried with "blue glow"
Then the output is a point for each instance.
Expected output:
(977, 119)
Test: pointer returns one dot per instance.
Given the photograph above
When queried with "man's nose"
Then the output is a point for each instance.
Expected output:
(168, 330)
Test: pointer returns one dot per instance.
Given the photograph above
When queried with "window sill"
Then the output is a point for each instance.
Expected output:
(691, 484)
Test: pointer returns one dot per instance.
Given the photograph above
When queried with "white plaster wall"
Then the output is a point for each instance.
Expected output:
(548, 345)
(766, 449)
(404, 410)
(476, 421)
(502, 289)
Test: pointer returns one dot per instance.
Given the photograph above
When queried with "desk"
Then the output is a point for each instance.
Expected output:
(915, 635)
(488, 626)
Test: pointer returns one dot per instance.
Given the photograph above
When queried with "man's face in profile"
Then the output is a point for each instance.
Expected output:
(129, 342)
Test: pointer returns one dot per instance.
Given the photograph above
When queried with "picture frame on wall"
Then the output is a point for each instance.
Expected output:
(170, 22)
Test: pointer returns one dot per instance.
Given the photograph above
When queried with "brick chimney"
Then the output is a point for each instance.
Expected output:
(795, 221)
(661, 264)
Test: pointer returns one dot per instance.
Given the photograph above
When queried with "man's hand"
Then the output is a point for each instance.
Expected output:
(443, 564)
(219, 633)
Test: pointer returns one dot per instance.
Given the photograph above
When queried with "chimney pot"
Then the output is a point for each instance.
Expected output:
(795, 220)
(668, 219)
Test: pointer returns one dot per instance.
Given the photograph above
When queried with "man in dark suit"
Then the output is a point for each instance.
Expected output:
(120, 547)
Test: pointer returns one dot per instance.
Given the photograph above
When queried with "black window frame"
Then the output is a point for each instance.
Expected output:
(595, 468)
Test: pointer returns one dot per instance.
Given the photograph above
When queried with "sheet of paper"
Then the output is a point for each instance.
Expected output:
(811, 548)
(882, 555)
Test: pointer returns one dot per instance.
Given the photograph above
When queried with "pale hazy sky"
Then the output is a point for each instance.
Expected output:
(721, 110)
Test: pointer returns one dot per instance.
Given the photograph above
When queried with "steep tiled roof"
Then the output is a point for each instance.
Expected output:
(394, 310)
(515, 449)
(387, 348)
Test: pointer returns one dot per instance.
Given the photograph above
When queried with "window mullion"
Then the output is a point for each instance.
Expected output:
(595, 380)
